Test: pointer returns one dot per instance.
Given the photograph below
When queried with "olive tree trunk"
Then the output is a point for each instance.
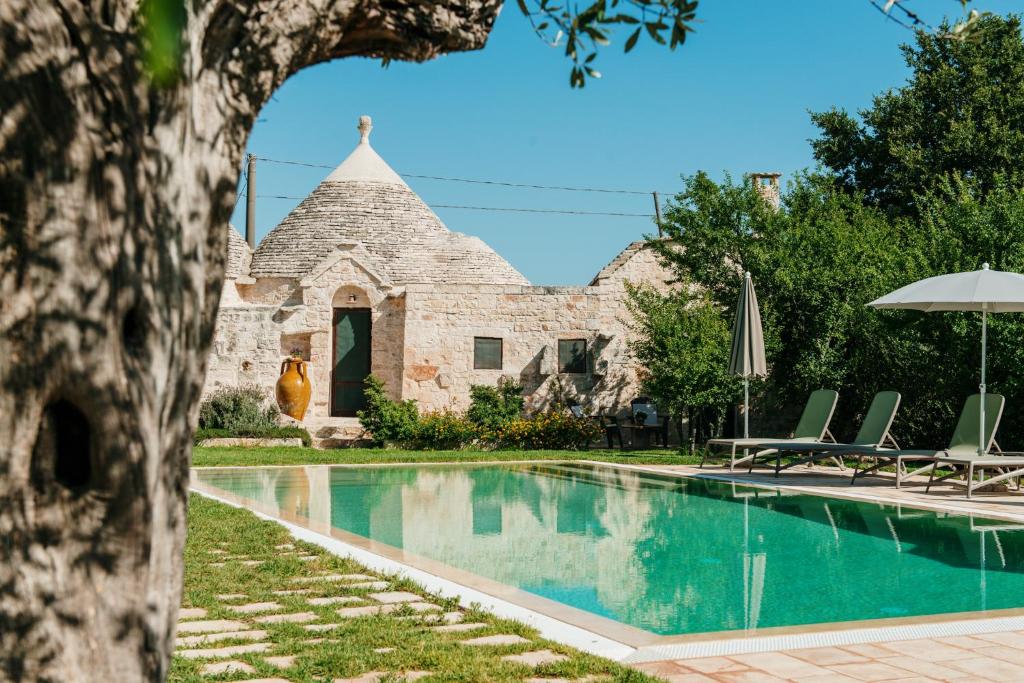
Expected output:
(114, 197)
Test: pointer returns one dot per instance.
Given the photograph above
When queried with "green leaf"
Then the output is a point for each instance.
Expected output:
(163, 25)
(631, 41)
(652, 30)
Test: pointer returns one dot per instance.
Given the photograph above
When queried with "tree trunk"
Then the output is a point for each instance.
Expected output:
(114, 199)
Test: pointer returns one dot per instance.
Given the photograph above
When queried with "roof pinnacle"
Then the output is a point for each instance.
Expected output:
(365, 126)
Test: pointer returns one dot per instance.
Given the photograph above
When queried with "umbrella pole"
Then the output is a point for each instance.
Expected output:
(746, 407)
(981, 387)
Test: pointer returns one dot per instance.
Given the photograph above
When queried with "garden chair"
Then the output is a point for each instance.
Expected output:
(812, 428)
(873, 433)
(646, 419)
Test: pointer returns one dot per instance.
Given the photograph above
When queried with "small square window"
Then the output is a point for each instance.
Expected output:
(486, 353)
(572, 356)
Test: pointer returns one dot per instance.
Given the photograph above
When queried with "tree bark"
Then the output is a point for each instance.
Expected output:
(114, 198)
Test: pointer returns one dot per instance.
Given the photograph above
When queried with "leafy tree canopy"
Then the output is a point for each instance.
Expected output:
(960, 114)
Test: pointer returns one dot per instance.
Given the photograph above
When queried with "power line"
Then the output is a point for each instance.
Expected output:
(526, 185)
(241, 190)
(562, 211)
(292, 163)
(501, 183)
(571, 212)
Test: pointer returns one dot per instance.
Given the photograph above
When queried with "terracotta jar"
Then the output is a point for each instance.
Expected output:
(294, 388)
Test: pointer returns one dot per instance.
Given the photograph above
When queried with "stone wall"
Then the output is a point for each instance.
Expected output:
(442, 322)
(246, 348)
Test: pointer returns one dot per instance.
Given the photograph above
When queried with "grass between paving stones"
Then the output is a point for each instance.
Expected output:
(221, 456)
(218, 532)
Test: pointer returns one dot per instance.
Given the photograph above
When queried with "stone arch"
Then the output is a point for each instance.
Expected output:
(351, 296)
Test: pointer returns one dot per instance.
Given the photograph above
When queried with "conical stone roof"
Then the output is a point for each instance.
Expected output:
(363, 200)
(239, 255)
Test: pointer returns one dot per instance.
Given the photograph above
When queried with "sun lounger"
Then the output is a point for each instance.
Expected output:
(964, 443)
(812, 428)
(873, 433)
(968, 462)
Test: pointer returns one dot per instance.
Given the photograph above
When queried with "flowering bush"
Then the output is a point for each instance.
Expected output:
(444, 430)
(551, 430)
(492, 422)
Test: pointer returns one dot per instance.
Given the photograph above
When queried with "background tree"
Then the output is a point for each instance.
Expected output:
(683, 342)
(927, 183)
(818, 261)
(960, 114)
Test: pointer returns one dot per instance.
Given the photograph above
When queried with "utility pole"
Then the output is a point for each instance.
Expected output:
(250, 203)
(657, 213)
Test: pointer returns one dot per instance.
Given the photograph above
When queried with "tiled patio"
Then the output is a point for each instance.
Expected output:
(967, 659)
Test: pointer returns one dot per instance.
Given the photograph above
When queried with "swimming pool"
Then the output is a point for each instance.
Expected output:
(664, 554)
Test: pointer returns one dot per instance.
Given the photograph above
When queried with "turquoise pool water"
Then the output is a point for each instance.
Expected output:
(668, 555)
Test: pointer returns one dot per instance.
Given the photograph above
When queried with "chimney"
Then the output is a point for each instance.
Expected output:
(767, 185)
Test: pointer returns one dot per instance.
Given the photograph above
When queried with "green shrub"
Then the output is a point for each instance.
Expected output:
(237, 410)
(553, 430)
(289, 432)
(491, 407)
(387, 421)
(444, 430)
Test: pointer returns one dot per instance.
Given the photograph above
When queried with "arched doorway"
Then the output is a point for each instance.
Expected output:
(351, 328)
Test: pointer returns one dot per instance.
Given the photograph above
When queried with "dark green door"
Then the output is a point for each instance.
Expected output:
(351, 360)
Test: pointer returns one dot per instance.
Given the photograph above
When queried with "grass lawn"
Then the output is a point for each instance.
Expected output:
(210, 457)
(232, 558)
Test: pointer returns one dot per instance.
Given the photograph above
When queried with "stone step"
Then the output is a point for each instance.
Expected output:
(336, 432)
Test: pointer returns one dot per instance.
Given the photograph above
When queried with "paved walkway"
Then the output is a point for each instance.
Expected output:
(245, 641)
(990, 657)
(830, 481)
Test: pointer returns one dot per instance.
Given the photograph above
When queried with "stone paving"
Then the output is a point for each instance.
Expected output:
(983, 658)
(220, 644)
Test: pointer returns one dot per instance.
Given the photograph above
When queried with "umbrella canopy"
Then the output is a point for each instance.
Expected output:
(994, 291)
(985, 290)
(747, 359)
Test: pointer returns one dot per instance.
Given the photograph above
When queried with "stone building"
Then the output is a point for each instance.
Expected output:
(362, 277)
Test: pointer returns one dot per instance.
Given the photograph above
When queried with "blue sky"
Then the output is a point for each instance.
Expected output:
(733, 99)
